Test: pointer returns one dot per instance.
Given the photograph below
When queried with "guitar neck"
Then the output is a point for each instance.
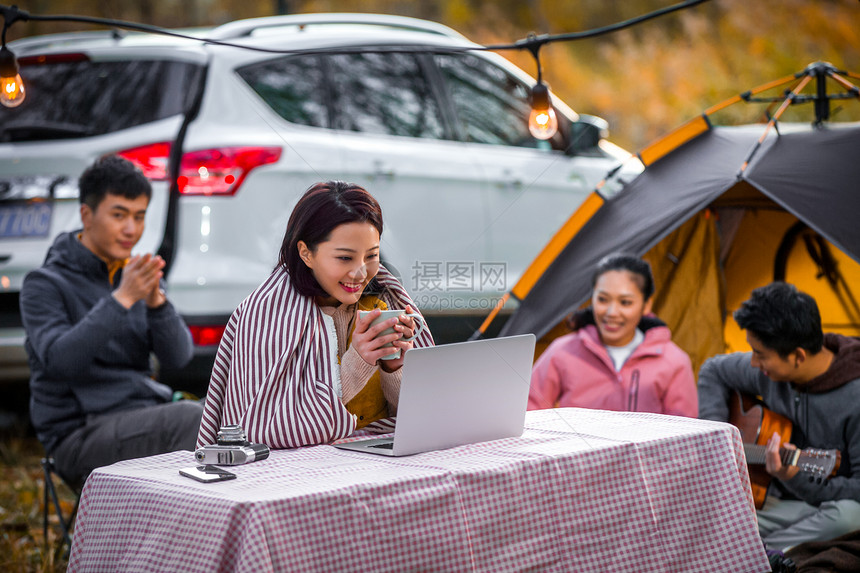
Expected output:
(820, 463)
(756, 455)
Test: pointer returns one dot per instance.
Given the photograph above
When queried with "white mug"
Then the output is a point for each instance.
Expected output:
(385, 315)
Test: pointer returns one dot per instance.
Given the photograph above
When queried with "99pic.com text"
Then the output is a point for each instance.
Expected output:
(440, 302)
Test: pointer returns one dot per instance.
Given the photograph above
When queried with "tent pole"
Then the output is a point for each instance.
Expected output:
(787, 102)
(846, 84)
(487, 321)
(747, 94)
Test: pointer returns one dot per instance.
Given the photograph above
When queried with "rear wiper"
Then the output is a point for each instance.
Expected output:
(36, 131)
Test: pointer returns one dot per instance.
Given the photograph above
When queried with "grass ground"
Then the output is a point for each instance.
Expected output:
(23, 547)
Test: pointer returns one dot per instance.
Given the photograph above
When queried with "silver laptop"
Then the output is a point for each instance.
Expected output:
(457, 394)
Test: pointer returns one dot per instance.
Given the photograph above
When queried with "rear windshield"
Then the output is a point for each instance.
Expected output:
(85, 98)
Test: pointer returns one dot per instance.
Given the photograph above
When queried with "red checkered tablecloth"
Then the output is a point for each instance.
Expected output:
(581, 490)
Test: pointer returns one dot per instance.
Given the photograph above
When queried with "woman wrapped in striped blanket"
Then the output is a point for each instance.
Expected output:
(296, 365)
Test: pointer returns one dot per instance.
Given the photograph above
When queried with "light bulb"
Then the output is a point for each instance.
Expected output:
(11, 85)
(543, 123)
(11, 91)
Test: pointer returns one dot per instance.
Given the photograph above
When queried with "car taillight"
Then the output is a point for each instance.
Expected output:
(221, 171)
(206, 335)
(47, 59)
(151, 159)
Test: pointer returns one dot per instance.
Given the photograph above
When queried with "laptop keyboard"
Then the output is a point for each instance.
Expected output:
(385, 446)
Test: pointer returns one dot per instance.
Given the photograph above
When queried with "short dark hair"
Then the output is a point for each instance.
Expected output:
(782, 318)
(115, 175)
(640, 269)
(323, 207)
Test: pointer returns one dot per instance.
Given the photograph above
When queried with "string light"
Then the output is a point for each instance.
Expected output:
(11, 85)
(543, 123)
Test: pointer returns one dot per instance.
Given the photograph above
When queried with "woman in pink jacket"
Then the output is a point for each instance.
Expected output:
(618, 357)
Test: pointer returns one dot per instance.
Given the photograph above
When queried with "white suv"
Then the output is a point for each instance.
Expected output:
(231, 138)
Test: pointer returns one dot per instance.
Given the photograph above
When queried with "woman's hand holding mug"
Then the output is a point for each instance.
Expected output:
(377, 331)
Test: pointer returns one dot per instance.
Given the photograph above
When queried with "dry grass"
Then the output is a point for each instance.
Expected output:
(22, 542)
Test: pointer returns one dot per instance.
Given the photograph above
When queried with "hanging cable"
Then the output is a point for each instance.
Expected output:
(12, 14)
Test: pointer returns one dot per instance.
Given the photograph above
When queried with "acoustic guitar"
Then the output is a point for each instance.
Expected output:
(757, 424)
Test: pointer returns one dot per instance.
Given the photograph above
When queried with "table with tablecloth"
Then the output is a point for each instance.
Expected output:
(580, 490)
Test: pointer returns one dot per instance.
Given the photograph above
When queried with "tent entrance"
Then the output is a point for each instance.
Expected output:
(709, 265)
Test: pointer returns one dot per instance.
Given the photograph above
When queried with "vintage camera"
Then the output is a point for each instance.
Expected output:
(232, 449)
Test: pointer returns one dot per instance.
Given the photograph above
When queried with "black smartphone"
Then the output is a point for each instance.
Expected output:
(207, 473)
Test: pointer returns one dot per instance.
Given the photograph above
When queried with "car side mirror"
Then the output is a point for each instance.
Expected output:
(586, 133)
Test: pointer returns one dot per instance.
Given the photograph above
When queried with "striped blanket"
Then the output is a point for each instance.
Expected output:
(272, 373)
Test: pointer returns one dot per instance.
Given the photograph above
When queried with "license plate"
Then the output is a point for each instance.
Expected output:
(25, 220)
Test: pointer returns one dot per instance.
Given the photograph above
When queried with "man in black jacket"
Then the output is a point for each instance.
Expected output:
(93, 315)
(811, 378)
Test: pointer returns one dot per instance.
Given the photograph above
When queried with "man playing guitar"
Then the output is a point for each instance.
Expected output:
(813, 380)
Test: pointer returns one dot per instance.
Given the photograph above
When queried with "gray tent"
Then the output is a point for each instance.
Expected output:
(809, 173)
